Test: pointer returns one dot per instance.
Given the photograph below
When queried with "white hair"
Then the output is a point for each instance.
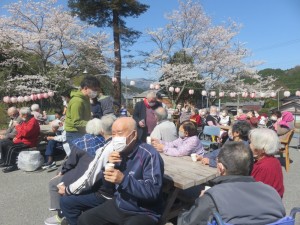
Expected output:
(264, 139)
(151, 94)
(107, 122)
(25, 111)
(35, 107)
(94, 126)
(240, 111)
(55, 123)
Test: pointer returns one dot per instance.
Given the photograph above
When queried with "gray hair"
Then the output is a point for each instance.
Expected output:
(12, 109)
(213, 109)
(107, 122)
(151, 94)
(240, 111)
(161, 114)
(264, 139)
(35, 107)
(94, 126)
(25, 111)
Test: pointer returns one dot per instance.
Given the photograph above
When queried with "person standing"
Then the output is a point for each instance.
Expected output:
(144, 115)
(79, 108)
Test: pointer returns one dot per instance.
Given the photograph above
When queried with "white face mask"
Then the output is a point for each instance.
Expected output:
(93, 94)
(223, 114)
(181, 134)
(119, 143)
(91, 101)
(151, 104)
(274, 118)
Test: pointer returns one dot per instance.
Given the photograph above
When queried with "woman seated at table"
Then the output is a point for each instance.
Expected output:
(195, 117)
(264, 144)
(186, 144)
(224, 118)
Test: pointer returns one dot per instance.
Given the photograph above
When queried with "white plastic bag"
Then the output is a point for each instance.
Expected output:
(30, 160)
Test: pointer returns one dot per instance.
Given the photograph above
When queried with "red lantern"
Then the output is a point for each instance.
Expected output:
(252, 95)
(45, 95)
(50, 93)
(39, 96)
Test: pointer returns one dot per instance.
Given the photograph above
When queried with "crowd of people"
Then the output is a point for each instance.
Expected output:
(113, 172)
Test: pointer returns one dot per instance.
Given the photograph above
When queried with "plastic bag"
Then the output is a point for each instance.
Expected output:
(30, 160)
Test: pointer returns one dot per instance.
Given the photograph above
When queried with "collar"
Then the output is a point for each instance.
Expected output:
(231, 179)
(134, 150)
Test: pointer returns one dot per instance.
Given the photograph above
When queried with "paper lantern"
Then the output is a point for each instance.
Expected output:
(157, 86)
(151, 86)
(6, 99)
(232, 94)
(39, 96)
(252, 95)
(204, 93)
(262, 95)
(45, 95)
(27, 98)
(132, 83)
(20, 99)
(297, 93)
(191, 91)
(177, 90)
(245, 94)
(286, 94)
(273, 94)
(171, 89)
(213, 93)
(221, 94)
(50, 93)
(13, 99)
(114, 79)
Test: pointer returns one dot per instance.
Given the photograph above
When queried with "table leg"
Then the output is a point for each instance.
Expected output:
(170, 201)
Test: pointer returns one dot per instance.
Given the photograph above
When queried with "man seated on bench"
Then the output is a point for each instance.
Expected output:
(11, 131)
(235, 195)
(27, 137)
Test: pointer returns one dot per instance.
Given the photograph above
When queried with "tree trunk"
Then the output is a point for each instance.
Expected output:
(118, 62)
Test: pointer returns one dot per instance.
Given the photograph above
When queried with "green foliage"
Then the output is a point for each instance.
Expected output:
(3, 115)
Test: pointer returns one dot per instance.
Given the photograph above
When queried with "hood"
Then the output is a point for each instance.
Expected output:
(78, 94)
(230, 178)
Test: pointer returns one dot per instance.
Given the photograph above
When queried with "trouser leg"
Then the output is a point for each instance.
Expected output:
(4, 146)
(72, 206)
(54, 195)
(13, 152)
(50, 149)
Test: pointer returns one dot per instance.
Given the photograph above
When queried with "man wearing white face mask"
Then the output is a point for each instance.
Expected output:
(144, 115)
(79, 108)
(138, 176)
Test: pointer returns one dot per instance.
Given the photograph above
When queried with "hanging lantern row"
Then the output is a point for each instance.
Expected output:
(27, 98)
(156, 86)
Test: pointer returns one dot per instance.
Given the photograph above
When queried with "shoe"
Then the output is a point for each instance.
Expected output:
(3, 164)
(54, 220)
(10, 169)
(48, 165)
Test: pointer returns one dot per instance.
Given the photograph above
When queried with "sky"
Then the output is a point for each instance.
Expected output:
(270, 28)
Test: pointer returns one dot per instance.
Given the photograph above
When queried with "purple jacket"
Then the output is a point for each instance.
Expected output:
(183, 146)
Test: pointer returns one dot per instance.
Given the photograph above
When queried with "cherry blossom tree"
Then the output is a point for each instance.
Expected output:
(64, 46)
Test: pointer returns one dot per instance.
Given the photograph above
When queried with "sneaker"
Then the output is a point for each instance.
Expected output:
(49, 165)
(54, 220)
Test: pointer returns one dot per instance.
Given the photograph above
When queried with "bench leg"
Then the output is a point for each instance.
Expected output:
(287, 159)
(170, 201)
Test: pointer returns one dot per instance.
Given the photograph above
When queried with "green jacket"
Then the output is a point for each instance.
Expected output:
(78, 112)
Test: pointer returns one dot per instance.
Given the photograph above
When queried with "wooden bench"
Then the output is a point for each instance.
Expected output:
(286, 142)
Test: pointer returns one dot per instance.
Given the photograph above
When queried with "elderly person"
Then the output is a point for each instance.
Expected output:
(27, 137)
(264, 144)
(185, 114)
(240, 115)
(195, 117)
(164, 130)
(11, 132)
(284, 123)
(212, 119)
(144, 115)
(224, 118)
(251, 119)
(234, 194)
(138, 176)
(83, 193)
(41, 118)
(186, 144)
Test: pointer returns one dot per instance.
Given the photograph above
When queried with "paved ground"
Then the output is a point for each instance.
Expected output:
(24, 196)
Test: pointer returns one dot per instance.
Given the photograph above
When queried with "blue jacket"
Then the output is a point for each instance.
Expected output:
(140, 191)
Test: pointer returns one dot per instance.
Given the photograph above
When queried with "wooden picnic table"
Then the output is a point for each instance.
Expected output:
(182, 173)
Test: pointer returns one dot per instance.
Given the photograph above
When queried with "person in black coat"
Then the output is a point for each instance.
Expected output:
(144, 115)
(96, 108)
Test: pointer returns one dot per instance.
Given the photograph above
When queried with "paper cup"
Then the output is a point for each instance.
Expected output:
(194, 157)
(109, 166)
(149, 140)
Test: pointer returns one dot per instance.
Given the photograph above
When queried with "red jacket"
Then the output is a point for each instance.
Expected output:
(268, 170)
(28, 132)
(196, 119)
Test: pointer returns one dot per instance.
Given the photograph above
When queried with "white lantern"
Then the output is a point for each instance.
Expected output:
(20, 99)
(286, 94)
(6, 99)
(213, 93)
(221, 94)
(157, 86)
(50, 93)
(245, 94)
(171, 89)
(191, 91)
(177, 90)
(297, 93)
(151, 86)
(252, 95)
(232, 94)
(27, 98)
(204, 93)
(114, 79)
(13, 99)
(273, 94)
(262, 95)
(132, 83)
